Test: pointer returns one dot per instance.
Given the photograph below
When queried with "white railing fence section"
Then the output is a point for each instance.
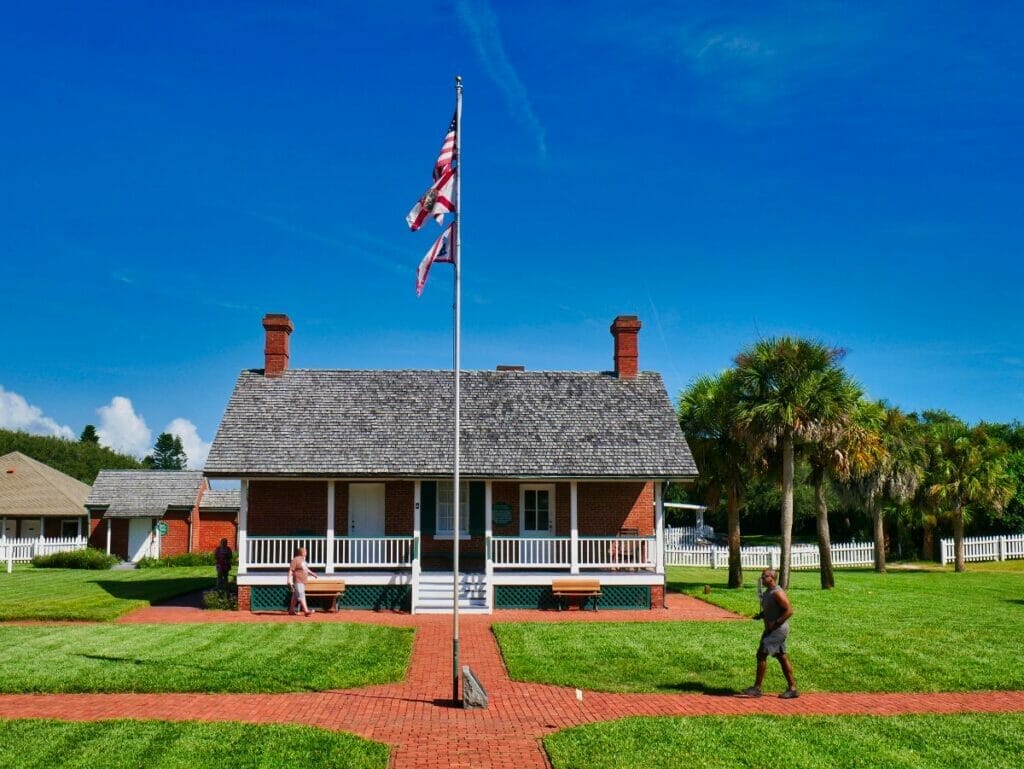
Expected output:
(23, 549)
(617, 552)
(279, 551)
(1003, 547)
(373, 551)
(845, 554)
(530, 552)
(687, 536)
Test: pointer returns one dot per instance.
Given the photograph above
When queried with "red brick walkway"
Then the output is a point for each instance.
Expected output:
(415, 718)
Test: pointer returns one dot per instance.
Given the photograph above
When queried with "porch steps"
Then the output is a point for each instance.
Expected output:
(434, 594)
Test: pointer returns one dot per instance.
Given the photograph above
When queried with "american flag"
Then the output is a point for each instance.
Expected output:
(441, 251)
(444, 159)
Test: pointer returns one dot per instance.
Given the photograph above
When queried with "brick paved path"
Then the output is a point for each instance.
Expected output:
(416, 719)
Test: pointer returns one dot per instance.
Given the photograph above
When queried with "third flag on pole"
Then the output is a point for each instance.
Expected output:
(443, 250)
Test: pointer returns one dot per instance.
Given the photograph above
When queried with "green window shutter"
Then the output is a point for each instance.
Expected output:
(428, 507)
(477, 505)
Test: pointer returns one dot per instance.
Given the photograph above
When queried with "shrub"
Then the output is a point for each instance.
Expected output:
(184, 559)
(90, 558)
(215, 599)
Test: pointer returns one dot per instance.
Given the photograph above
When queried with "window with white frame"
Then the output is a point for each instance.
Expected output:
(446, 507)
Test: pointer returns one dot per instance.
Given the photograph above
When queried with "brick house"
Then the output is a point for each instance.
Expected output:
(155, 513)
(562, 474)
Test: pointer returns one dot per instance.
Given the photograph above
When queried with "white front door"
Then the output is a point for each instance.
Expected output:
(140, 539)
(366, 509)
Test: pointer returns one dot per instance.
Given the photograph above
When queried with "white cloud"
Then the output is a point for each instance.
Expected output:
(482, 25)
(121, 429)
(195, 447)
(16, 413)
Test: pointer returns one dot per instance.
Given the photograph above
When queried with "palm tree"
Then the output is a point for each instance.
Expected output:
(791, 391)
(707, 415)
(891, 466)
(968, 469)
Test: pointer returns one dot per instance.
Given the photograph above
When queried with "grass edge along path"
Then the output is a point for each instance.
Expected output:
(182, 745)
(899, 632)
(201, 657)
(29, 593)
(797, 742)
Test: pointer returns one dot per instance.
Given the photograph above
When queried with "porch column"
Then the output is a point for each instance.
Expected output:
(488, 544)
(243, 526)
(417, 545)
(3, 531)
(42, 528)
(574, 528)
(330, 527)
(108, 536)
(659, 529)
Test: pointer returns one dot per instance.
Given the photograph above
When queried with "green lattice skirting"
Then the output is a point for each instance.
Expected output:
(377, 597)
(539, 597)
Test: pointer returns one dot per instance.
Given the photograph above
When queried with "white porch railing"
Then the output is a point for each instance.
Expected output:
(374, 551)
(999, 548)
(845, 554)
(24, 549)
(556, 552)
(264, 552)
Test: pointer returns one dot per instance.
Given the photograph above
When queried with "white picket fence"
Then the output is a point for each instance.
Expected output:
(1004, 547)
(847, 554)
(24, 549)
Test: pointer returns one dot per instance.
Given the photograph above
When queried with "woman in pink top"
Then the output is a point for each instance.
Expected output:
(298, 574)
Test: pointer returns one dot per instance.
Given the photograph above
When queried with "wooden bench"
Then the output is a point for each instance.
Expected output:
(565, 589)
(331, 589)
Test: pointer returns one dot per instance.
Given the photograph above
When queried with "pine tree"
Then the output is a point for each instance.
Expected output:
(89, 435)
(168, 454)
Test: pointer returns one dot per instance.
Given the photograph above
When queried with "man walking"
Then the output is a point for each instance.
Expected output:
(298, 574)
(775, 611)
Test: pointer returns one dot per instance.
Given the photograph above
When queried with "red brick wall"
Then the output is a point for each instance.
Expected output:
(244, 598)
(399, 499)
(98, 532)
(215, 526)
(507, 492)
(291, 507)
(607, 507)
(175, 541)
(118, 537)
(657, 596)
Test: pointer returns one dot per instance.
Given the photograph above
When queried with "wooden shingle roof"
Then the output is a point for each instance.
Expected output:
(30, 488)
(399, 423)
(221, 499)
(143, 493)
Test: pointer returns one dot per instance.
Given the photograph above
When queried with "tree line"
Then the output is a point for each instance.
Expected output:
(787, 414)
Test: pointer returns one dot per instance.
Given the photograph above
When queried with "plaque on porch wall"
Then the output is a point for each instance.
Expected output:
(161, 528)
(501, 513)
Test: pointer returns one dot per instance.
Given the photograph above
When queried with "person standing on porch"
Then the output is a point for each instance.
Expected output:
(298, 574)
(775, 611)
(222, 559)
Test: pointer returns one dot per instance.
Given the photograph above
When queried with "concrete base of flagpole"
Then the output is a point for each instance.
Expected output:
(474, 696)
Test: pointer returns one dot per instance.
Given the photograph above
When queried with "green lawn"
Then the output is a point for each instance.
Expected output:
(161, 745)
(78, 594)
(209, 657)
(902, 631)
(852, 742)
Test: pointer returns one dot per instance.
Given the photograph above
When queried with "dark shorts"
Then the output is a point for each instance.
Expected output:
(773, 644)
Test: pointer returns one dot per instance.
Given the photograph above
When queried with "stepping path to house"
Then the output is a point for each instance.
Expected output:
(426, 732)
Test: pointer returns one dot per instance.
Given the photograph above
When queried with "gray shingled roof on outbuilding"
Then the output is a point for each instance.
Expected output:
(399, 423)
(221, 499)
(143, 493)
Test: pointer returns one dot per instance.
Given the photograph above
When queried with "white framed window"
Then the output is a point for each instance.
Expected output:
(446, 508)
(537, 509)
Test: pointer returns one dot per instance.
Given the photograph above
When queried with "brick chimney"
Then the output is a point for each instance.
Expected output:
(275, 351)
(625, 329)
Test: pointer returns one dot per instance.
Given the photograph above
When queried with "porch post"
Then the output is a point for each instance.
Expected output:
(42, 528)
(108, 536)
(659, 529)
(330, 528)
(243, 526)
(574, 528)
(416, 543)
(488, 535)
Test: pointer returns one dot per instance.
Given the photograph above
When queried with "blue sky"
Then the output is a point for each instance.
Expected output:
(168, 174)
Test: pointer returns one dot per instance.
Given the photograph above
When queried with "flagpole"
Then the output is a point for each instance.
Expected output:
(457, 254)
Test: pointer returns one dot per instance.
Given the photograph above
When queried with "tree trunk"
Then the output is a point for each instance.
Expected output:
(879, 528)
(735, 564)
(958, 538)
(786, 519)
(828, 580)
(928, 541)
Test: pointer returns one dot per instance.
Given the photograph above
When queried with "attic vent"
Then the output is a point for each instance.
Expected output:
(503, 367)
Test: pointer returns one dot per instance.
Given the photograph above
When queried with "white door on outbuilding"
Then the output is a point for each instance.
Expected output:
(141, 539)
